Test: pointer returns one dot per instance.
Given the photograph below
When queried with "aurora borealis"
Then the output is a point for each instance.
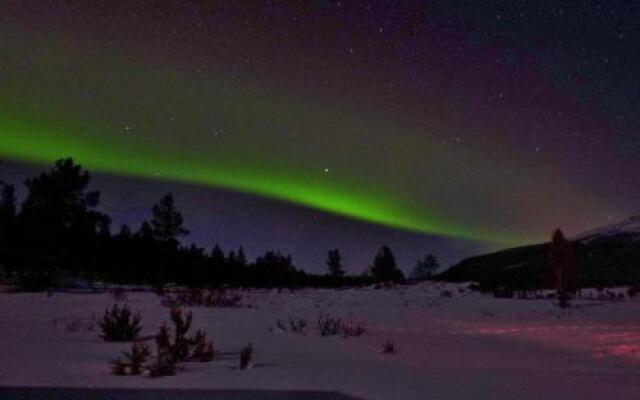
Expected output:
(436, 118)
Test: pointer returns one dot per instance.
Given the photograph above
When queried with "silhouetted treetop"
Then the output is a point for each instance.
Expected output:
(7, 201)
(167, 222)
(384, 267)
(334, 263)
(425, 268)
(59, 199)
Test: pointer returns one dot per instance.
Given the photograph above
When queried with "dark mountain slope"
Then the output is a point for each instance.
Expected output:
(605, 257)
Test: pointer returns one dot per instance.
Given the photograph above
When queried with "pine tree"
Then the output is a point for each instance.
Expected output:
(7, 202)
(7, 225)
(59, 226)
(218, 259)
(334, 262)
(562, 263)
(384, 267)
(425, 268)
(231, 258)
(241, 258)
(125, 232)
(274, 269)
(167, 222)
(145, 231)
(166, 227)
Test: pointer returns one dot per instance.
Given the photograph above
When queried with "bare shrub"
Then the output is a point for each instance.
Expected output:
(389, 347)
(297, 326)
(353, 329)
(120, 324)
(217, 298)
(246, 356)
(223, 298)
(183, 298)
(201, 350)
(292, 325)
(131, 362)
(329, 326)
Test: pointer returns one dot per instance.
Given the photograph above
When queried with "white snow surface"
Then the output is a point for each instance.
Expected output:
(463, 347)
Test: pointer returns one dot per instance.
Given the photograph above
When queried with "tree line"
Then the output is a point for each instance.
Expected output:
(57, 234)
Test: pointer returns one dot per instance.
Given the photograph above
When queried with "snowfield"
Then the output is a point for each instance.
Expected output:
(467, 346)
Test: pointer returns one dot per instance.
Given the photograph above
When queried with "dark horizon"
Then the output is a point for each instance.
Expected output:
(308, 254)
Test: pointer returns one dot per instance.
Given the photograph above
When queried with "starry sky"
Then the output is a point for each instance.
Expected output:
(451, 127)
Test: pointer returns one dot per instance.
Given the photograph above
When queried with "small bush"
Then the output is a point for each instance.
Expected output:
(294, 326)
(389, 347)
(353, 329)
(163, 342)
(184, 298)
(633, 291)
(201, 350)
(329, 326)
(201, 298)
(223, 298)
(297, 326)
(120, 325)
(181, 324)
(132, 361)
(162, 366)
(246, 356)
(165, 363)
(169, 350)
(183, 348)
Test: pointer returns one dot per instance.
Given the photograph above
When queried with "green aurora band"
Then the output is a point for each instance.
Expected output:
(31, 142)
(82, 113)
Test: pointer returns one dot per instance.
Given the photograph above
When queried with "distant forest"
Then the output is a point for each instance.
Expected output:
(57, 235)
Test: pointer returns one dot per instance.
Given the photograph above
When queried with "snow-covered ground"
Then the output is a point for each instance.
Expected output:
(467, 346)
